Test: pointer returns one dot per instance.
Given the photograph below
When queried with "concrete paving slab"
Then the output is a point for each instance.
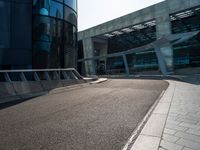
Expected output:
(169, 131)
(146, 143)
(162, 108)
(190, 144)
(170, 146)
(155, 125)
(170, 138)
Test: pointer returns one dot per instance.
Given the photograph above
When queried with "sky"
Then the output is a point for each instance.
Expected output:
(95, 12)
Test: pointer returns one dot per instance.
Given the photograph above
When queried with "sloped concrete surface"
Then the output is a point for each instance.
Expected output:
(91, 117)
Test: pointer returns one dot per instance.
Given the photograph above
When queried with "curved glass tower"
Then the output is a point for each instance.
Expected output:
(54, 33)
(38, 34)
(15, 34)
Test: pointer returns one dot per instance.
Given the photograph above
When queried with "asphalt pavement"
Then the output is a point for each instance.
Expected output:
(91, 117)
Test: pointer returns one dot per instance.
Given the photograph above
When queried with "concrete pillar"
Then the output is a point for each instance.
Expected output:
(126, 65)
(161, 61)
(163, 27)
(104, 51)
(101, 45)
(88, 50)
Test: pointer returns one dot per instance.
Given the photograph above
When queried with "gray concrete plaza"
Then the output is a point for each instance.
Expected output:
(175, 122)
(85, 117)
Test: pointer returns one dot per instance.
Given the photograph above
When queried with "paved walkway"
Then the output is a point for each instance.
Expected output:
(175, 122)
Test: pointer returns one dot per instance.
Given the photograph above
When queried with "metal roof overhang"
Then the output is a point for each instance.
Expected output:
(172, 39)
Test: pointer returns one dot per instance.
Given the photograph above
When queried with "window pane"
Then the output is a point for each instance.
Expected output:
(48, 42)
(5, 24)
(56, 10)
(70, 15)
(21, 25)
(71, 3)
(70, 35)
(41, 29)
(41, 7)
(60, 1)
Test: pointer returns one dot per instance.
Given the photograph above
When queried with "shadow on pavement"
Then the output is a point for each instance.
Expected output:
(12, 103)
(191, 79)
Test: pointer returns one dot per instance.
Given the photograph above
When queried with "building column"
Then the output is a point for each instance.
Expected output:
(88, 50)
(163, 27)
(126, 65)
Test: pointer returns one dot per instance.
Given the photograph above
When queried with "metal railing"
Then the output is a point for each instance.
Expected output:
(39, 75)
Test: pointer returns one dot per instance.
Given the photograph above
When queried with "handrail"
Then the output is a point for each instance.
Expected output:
(58, 74)
(37, 70)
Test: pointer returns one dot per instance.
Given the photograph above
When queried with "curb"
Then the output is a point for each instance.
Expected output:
(140, 126)
(100, 80)
(151, 133)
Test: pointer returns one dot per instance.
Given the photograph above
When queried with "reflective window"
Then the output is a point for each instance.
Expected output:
(21, 26)
(61, 1)
(56, 10)
(41, 29)
(187, 54)
(5, 24)
(55, 37)
(71, 3)
(133, 39)
(56, 30)
(186, 21)
(70, 15)
(70, 35)
(41, 7)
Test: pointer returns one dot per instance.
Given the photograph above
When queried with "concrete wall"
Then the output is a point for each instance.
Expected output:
(152, 12)
(12, 91)
(88, 48)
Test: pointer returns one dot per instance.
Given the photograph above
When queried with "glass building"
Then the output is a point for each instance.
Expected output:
(38, 34)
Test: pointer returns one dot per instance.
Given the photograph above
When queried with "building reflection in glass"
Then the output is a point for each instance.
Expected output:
(54, 34)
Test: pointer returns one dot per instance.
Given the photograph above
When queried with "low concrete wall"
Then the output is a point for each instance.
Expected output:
(13, 91)
(49, 85)
(7, 90)
(7, 93)
(28, 89)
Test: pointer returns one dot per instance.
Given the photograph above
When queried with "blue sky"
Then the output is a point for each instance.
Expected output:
(94, 12)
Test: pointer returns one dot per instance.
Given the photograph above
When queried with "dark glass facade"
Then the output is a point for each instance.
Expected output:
(186, 54)
(54, 33)
(131, 40)
(15, 34)
(144, 61)
(38, 34)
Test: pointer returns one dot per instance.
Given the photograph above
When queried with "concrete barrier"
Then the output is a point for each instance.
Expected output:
(35, 82)
(7, 93)
(28, 89)
(7, 90)
(52, 84)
